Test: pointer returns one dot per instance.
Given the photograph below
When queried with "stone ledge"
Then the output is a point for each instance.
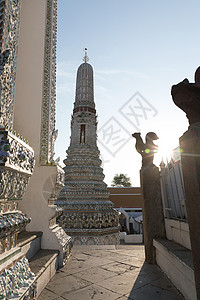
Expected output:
(9, 258)
(176, 262)
(42, 259)
(30, 243)
(181, 253)
(94, 247)
(27, 236)
(44, 264)
(91, 232)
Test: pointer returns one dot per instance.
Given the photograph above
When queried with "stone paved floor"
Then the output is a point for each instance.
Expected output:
(109, 273)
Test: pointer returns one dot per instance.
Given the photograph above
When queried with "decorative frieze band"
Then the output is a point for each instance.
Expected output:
(89, 220)
(48, 132)
(109, 239)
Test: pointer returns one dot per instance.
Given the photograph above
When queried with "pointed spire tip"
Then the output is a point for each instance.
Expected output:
(85, 58)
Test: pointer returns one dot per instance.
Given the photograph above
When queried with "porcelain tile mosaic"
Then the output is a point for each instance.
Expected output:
(88, 215)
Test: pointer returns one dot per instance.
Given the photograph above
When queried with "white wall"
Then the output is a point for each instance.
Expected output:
(178, 231)
(30, 67)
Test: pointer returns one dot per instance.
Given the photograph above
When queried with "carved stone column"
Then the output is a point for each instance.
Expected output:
(152, 210)
(187, 97)
(153, 218)
(190, 159)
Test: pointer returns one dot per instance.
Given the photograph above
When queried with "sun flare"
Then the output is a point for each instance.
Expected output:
(164, 151)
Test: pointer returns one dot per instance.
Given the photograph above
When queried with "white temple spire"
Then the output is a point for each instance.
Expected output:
(88, 215)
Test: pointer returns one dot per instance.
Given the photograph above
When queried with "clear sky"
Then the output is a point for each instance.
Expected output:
(138, 50)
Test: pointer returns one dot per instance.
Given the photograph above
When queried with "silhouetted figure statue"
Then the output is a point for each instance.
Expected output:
(186, 96)
(148, 149)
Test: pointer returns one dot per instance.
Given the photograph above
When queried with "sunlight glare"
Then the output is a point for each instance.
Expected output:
(164, 151)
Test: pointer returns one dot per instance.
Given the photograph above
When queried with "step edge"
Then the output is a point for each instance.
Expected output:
(30, 239)
(163, 249)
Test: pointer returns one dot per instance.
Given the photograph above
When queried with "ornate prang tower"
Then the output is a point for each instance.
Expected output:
(88, 216)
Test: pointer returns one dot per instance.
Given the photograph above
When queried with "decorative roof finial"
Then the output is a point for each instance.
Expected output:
(85, 58)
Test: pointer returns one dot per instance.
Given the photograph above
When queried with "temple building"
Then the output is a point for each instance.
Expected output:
(128, 202)
(88, 215)
(32, 245)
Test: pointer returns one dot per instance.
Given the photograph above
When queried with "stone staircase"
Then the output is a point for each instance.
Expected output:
(43, 262)
(176, 262)
(26, 269)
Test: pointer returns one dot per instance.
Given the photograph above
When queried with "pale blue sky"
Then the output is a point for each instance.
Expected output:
(133, 46)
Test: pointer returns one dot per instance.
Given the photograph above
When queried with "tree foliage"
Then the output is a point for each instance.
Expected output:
(121, 180)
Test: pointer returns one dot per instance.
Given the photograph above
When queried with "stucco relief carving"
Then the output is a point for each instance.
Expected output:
(9, 28)
(15, 279)
(14, 222)
(15, 153)
(48, 132)
(89, 221)
(16, 166)
(59, 184)
(109, 239)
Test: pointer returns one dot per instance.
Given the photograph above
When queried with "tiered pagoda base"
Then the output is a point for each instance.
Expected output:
(90, 222)
(88, 216)
(96, 237)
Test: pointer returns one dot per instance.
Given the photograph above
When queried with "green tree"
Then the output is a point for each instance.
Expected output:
(121, 180)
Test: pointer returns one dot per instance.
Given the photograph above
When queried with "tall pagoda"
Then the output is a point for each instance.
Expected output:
(88, 215)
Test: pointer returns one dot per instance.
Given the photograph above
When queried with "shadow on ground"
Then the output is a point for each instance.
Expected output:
(152, 283)
(109, 273)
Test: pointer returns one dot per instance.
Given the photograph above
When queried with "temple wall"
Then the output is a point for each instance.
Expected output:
(28, 100)
(34, 117)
